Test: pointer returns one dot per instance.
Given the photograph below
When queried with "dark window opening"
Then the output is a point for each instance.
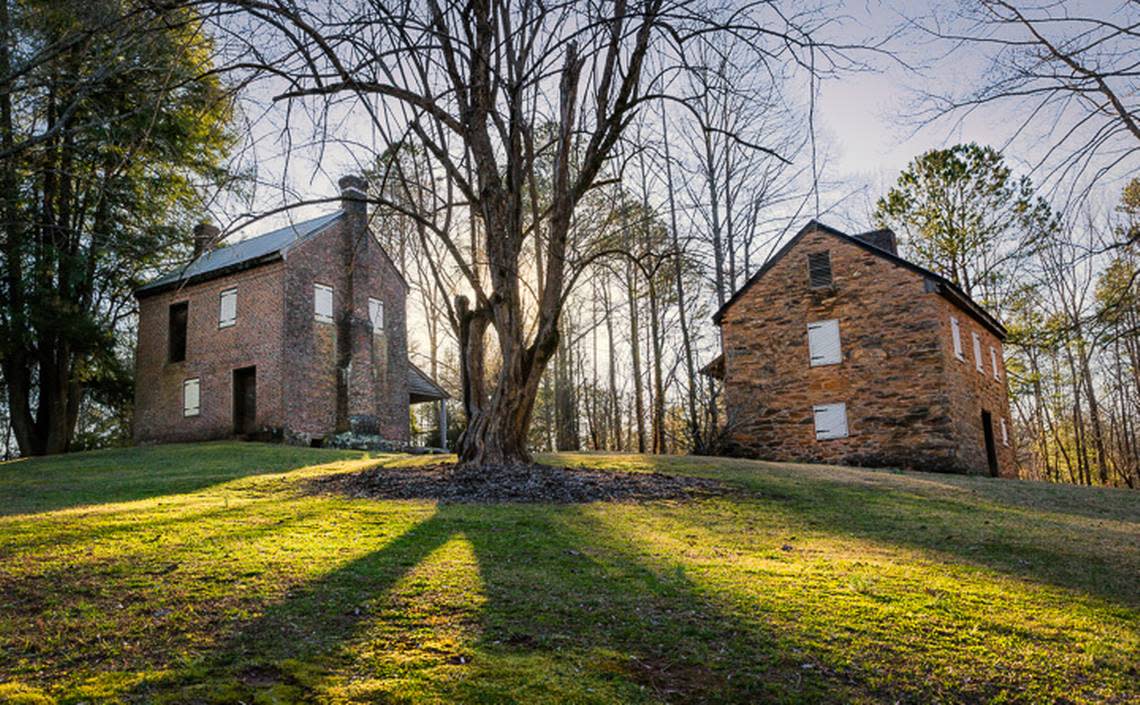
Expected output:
(177, 334)
(317, 443)
(988, 436)
(819, 270)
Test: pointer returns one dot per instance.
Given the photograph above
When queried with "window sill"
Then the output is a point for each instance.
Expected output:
(322, 319)
(231, 324)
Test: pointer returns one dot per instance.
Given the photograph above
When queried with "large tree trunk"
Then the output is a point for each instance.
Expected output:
(497, 435)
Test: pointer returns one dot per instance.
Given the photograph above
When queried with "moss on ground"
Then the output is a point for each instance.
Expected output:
(205, 573)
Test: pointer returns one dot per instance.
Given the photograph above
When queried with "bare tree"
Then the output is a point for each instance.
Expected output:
(493, 89)
(1069, 71)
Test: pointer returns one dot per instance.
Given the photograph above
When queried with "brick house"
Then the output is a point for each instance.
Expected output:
(838, 350)
(293, 334)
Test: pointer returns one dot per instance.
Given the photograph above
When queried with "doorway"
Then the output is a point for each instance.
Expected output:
(245, 401)
(991, 449)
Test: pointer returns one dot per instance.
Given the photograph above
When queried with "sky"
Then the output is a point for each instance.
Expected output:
(865, 124)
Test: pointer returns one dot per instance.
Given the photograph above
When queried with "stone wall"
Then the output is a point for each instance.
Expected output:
(971, 392)
(904, 407)
(212, 354)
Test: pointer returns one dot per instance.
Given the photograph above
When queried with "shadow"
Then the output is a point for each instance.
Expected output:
(1013, 527)
(574, 606)
(1117, 504)
(36, 485)
(570, 615)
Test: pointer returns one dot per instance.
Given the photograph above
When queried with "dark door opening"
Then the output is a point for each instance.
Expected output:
(245, 401)
(991, 449)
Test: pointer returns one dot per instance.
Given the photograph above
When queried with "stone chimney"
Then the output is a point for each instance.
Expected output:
(883, 239)
(205, 238)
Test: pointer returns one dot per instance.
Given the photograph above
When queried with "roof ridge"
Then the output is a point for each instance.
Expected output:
(958, 295)
(242, 252)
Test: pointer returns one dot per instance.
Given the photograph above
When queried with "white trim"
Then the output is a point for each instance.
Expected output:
(1004, 433)
(376, 314)
(824, 347)
(191, 397)
(994, 363)
(319, 292)
(830, 421)
(956, 335)
(978, 353)
(224, 322)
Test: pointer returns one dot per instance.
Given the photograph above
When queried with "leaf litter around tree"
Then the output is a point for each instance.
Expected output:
(533, 483)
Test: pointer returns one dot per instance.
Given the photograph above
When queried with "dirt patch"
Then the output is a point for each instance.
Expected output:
(453, 483)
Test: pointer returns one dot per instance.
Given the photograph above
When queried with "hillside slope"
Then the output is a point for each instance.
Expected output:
(211, 573)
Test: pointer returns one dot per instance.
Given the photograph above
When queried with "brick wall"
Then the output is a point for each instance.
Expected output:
(378, 391)
(295, 355)
(904, 405)
(212, 353)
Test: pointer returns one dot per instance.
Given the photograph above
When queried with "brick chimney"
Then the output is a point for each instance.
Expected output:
(205, 238)
(353, 408)
(883, 239)
(353, 194)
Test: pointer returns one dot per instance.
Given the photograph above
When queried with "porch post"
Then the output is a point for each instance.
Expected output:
(443, 423)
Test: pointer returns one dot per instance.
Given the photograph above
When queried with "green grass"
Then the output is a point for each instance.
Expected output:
(204, 574)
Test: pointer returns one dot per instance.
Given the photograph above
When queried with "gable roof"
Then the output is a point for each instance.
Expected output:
(942, 285)
(421, 387)
(243, 254)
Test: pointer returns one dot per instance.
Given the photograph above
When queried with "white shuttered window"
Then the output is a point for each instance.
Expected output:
(978, 353)
(823, 343)
(323, 303)
(190, 399)
(956, 334)
(993, 363)
(376, 314)
(830, 421)
(1004, 434)
(227, 309)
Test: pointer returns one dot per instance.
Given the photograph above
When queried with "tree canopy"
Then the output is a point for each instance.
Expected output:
(110, 126)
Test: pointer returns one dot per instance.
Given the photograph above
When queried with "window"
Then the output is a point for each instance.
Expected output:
(993, 363)
(190, 404)
(227, 310)
(819, 270)
(978, 353)
(823, 343)
(830, 421)
(323, 303)
(376, 314)
(1004, 434)
(176, 336)
(956, 334)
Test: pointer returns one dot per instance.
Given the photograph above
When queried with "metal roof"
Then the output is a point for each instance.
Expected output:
(421, 387)
(247, 252)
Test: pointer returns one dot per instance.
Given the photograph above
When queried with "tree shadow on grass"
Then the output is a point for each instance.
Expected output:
(1016, 530)
(35, 485)
(561, 621)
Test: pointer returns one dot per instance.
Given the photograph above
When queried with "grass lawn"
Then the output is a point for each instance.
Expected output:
(205, 574)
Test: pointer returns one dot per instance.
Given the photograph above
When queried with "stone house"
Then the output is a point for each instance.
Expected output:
(293, 335)
(840, 351)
